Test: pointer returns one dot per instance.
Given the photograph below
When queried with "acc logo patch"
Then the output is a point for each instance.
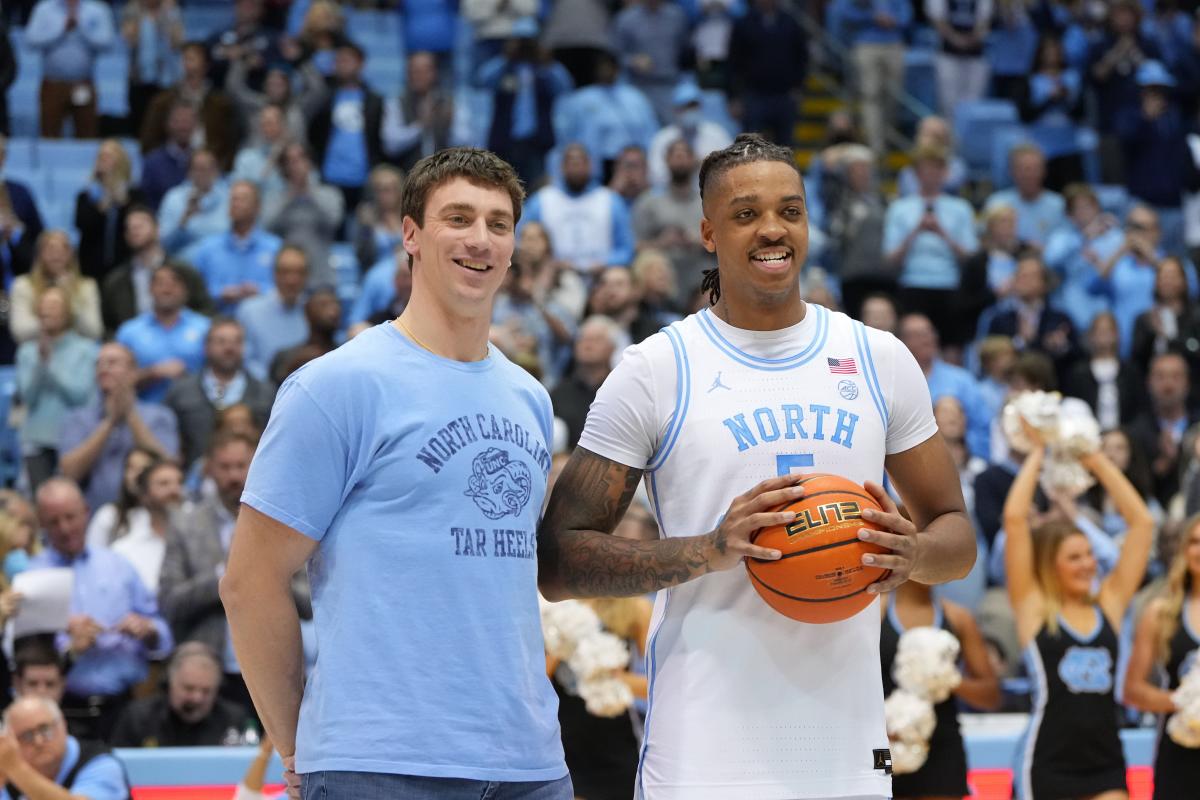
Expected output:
(848, 389)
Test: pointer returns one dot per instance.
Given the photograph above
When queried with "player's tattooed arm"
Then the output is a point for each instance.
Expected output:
(579, 557)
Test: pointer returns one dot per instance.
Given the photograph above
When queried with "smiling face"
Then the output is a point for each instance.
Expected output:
(1075, 566)
(756, 221)
(462, 252)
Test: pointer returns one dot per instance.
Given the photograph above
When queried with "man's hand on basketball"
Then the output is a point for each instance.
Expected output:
(900, 537)
(748, 513)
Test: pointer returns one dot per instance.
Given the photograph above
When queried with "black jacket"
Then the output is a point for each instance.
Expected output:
(197, 415)
(320, 129)
(118, 298)
(150, 722)
(101, 240)
(1080, 382)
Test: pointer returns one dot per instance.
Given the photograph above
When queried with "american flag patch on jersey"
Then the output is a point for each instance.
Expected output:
(842, 366)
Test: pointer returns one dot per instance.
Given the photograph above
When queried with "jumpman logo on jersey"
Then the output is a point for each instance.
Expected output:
(717, 384)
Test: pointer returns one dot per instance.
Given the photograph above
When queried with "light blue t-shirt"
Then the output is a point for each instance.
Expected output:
(152, 344)
(1036, 219)
(930, 262)
(422, 479)
(345, 161)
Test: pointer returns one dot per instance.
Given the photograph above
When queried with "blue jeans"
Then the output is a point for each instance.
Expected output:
(376, 786)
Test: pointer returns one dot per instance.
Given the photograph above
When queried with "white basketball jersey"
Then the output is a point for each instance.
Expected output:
(746, 703)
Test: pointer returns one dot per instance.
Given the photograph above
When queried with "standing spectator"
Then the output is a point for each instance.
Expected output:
(40, 759)
(431, 26)
(323, 314)
(1078, 249)
(100, 209)
(236, 264)
(935, 131)
(248, 42)
(417, 123)
(577, 34)
(277, 90)
(926, 237)
(495, 22)
(1010, 47)
(195, 208)
(258, 161)
(167, 341)
(1110, 385)
(703, 135)
(987, 278)
(651, 36)
(1039, 210)
(305, 212)
(55, 265)
(1158, 430)
(20, 224)
(595, 345)
(656, 288)
(8, 75)
(322, 31)
(962, 71)
(166, 167)
(274, 321)
(345, 130)
(71, 35)
(876, 36)
(54, 376)
(114, 626)
(588, 226)
(1126, 278)
(222, 382)
(153, 33)
(668, 219)
(1053, 103)
(1113, 62)
(710, 42)
(379, 222)
(96, 439)
(220, 127)
(855, 223)
(630, 175)
(125, 292)
(768, 60)
(526, 83)
(1163, 326)
(190, 714)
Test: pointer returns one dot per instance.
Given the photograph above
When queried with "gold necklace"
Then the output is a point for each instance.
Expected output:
(417, 339)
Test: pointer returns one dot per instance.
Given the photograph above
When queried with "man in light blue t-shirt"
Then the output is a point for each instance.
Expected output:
(407, 469)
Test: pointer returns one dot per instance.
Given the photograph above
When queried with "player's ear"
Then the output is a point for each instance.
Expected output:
(409, 228)
(706, 235)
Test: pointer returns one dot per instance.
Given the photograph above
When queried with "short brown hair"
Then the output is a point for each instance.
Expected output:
(480, 167)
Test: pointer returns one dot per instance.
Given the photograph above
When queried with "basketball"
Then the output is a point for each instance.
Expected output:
(820, 577)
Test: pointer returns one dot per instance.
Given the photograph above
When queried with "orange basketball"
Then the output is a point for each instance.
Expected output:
(820, 578)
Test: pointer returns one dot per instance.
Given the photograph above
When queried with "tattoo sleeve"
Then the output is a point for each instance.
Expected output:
(579, 557)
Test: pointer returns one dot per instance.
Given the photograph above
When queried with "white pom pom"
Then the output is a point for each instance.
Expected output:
(1078, 432)
(1184, 725)
(598, 654)
(908, 757)
(926, 663)
(565, 624)
(909, 718)
(1039, 409)
(1063, 475)
(606, 697)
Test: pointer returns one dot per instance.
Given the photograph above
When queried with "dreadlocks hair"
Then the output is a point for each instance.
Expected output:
(747, 148)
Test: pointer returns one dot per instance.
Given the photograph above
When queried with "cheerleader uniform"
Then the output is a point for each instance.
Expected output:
(1072, 747)
(945, 771)
(1176, 768)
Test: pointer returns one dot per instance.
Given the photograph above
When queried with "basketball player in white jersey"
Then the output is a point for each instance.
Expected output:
(720, 414)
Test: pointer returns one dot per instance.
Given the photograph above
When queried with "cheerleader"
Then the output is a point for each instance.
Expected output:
(1068, 632)
(1168, 637)
(944, 773)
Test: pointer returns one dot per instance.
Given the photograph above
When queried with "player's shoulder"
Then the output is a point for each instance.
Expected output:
(876, 342)
(663, 349)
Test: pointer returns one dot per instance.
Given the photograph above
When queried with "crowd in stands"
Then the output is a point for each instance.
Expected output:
(243, 218)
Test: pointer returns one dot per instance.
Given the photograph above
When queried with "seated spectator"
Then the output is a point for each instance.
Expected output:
(555, 278)
(112, 520)
(196, 208)
(215, 111)
(54, 265)
(988, 275)
(1158, 429)
(70, 38)
(854, 220)
(595, 345)
(879, 312)
(1112, 387)
(167, 341)
(190, 714)
(20, 224)
(613, 296)
(305, 212)
(926, 238)
(935, 131)
(96, 439)
(527, 85)
(588, 225)
(417, 123)
(237, 264)
(630, 175)
(222, 382)
(1039, 211)
(345, 129)
(258, 161)
(997, 357)
(690, 125)
(668, 218)
(274, 320)
(1053, 106)
(166, 167)
(323, 312)
(768, 59)
(1119, 448)
(1164, 325)
(126, 290)
(1078, 249)
(379, 222)
(377, 290)
(54, 376)
(101, 208)
(41, 760)
(921, 339)
(650, 36)
(114, 626)
(1031, 321)
(656, 289)
(153, 34)
(38, 671)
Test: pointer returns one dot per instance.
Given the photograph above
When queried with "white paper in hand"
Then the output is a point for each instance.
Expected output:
(45, 600)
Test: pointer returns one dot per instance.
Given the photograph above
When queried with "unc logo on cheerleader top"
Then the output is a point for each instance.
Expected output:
(499, 485)
(1087, 670)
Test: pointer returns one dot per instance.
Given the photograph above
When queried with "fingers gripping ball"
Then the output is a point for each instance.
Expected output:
(820, 578)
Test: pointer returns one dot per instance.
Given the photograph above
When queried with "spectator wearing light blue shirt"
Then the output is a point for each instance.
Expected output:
(114, 626)
(194, 209)
(1039, 211)
(346, 130)
(167, 341)
(238, 264)
(71, 35)
(1075, 251)
(275, 321)
(375, 292)
(926, 237)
